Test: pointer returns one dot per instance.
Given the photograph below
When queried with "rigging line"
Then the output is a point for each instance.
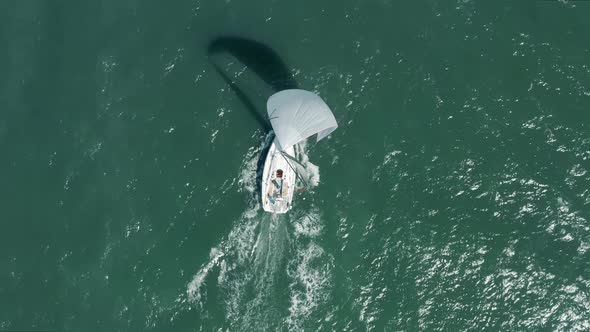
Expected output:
(273, 112)
(294, 170)
(285, 154)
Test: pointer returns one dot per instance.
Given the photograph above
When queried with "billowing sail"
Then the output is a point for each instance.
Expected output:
(298, 114)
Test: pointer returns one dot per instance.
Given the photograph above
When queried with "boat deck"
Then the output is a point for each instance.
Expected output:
(280, 193)
(277, 183)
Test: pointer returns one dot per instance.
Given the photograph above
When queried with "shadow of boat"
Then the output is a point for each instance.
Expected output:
(266, 64)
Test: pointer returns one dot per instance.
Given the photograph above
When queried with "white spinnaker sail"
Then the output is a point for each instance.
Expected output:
(298, 114)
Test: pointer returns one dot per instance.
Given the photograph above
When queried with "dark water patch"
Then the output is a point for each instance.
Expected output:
(260, 58)
(250, 107)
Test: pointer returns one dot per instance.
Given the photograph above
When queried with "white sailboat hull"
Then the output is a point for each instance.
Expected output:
(277, 193)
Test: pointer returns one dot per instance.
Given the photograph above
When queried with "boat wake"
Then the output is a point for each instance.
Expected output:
(310, 273)
(269, 272)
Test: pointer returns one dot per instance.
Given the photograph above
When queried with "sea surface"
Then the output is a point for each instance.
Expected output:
(454, 196)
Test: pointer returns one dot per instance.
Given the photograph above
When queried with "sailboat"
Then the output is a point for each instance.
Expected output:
(295, 115)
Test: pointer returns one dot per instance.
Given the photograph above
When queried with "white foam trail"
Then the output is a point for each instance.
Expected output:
(194, 287)
(255, 256)
(310, 286)
(310, 271)
(309, 225)
(239, 241)
(247, 178)
(313, 171)
(235, 249)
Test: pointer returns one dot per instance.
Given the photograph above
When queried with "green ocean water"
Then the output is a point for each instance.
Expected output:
(454, 196)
